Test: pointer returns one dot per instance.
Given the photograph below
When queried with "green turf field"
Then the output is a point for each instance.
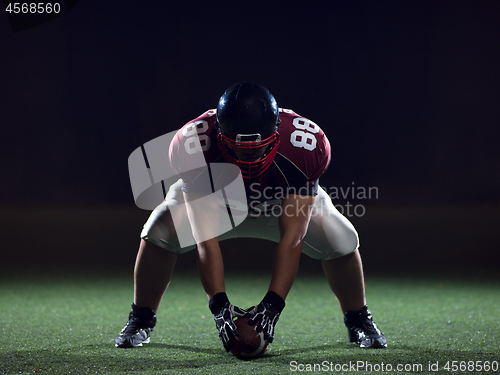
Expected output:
(66, 325)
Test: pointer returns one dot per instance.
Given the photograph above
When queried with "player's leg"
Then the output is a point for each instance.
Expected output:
(153, 269)
(333, 239)
(152, 273)
(345, 277)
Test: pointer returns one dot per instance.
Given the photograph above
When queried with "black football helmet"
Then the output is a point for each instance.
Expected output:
(248, 118)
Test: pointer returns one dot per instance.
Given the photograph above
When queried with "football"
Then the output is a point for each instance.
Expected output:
(248, 344)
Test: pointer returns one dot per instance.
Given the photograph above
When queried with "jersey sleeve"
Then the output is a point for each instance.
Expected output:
(304, 153)
(191, 151)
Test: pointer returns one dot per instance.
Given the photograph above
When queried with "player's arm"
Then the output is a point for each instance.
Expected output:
(293, 223)
(203, 217)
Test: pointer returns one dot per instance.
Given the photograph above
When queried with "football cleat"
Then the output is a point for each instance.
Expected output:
(137, 331)
(363, 330)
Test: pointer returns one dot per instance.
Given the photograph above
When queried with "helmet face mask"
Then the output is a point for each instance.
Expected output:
(248, 121)
(253, 158)
(248, 138)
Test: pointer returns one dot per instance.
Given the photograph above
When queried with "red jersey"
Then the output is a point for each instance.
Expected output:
(303, 156)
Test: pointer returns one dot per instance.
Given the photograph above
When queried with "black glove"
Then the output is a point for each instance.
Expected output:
(267, 314)
(224, 316)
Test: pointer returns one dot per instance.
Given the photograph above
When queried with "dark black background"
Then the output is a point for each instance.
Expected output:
(407, 92)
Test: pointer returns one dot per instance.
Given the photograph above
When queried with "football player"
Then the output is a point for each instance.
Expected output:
(281, 156)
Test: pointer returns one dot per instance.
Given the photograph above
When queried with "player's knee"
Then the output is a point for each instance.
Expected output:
(351, 241)
(345, 253)
(347, 244)
(158, 250)
(160, 231)
(339, 253)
